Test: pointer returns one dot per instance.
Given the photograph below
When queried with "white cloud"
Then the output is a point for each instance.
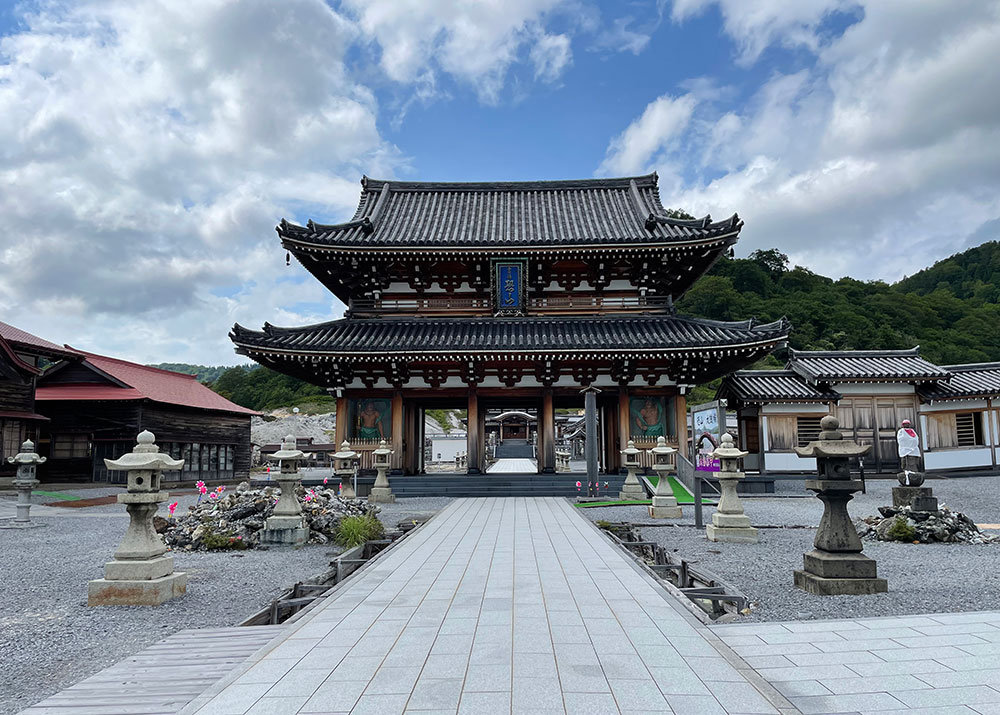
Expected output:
(551, 56)
(142, 169)
(474, 41)
(657, 129)
(880, 159)
(755, 24)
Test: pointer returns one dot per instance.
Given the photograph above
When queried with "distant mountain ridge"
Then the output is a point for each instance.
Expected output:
(205, 373)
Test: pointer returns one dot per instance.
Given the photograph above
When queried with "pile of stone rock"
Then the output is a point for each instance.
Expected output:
(234, 519)
(903, 523)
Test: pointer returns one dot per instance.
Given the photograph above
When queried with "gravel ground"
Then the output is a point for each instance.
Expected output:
(51, 639)
(926, 578)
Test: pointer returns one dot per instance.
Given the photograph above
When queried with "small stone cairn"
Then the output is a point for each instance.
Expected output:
(141, 574)
(286, 525)
(26, 460)
(729, 523)
(836, 565)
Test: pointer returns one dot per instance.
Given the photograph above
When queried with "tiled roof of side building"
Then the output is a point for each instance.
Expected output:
(25, 341)
(143, 382)
(864, 365)
(373, 338)
(977, 380)
(409, 214)
(755, 386)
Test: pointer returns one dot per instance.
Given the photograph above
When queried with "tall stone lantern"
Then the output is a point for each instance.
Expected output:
(632, 490)
(346, 461)
(141, 574)
(286, 524)
(26, 460)
(729, 523)
(664, 504)
(836, 566)
(381, 492)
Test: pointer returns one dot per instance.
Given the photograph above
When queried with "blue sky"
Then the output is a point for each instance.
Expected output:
(148, 149)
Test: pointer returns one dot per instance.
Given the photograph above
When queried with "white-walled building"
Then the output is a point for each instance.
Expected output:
(955, 409)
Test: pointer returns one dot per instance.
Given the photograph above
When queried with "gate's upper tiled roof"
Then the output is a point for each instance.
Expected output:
(587, 212)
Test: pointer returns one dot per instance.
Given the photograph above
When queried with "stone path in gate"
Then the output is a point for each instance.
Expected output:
(520, 605)
(513, 466)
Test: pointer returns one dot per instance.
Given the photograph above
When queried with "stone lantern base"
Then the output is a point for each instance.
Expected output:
(284, 531)
(139, 582)
(845, 574)
(381, 495)
(731, 529)
(664, 508)
(632, 491)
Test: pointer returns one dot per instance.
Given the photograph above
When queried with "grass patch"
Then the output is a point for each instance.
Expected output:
(56, 495)
(680, 491)
(356, 530)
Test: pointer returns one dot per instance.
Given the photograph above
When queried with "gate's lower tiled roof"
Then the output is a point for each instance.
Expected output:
(375, 337)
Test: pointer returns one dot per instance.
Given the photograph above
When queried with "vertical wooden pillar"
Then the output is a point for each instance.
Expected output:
(624, 423)
(592, 439)
(398, 441)
(680, 403)
(474, 436)
(547, 434)
(342, 417)
(609, 425)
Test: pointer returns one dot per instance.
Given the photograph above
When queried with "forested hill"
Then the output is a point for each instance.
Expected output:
(951, 309)
(205, 373)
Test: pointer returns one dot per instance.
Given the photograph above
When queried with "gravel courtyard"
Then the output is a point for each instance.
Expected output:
(51, 639)
(922, 578)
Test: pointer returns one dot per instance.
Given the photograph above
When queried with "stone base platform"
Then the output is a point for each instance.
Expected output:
(632, 492)
(151, 592)
(846, 574)
(284, 537)
(903, 496)
(732, 534)
(381, 495)
(657, 511)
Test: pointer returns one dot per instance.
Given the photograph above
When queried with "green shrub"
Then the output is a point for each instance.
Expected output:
(214, 541)
(901, 531)
(355, 530)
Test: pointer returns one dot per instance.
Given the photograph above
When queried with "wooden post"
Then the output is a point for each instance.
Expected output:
(680, 412)
(342, 417)
(397, 430)
(474, 436)
(624, 426)
(547, 434)
(593, 439)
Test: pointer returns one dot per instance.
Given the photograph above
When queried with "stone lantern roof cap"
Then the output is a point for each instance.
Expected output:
(145, 455)
(662, 447)
(727, 449)
(27, 455)
(289, 451)
(831, 443)
(345, 451)
(383, 448)
(631, 450)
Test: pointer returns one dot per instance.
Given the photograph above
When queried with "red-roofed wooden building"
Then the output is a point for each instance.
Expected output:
(21, 356)
(96, 405)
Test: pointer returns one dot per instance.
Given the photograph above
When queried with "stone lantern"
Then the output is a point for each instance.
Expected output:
(664, 504)
(286, 524)
(381, 492)
(836, 566)
(632, 490)
(26, 460)
(141, 574)
(729, 523)
(346, 461)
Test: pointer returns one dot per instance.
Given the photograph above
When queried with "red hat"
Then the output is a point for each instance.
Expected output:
(906, 422)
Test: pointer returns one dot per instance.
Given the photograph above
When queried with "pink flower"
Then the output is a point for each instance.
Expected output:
(326, 479)
(199, 484)
(221, 488)
(171, 508)
(239, 538)
(213, 495)
(578, 485)
(203, 489)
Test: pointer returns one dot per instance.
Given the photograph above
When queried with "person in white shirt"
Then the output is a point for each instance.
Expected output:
(908, 445)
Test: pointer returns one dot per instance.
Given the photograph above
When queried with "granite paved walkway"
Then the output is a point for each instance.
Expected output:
(513, 466)
(944, 663)
(514, 605)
